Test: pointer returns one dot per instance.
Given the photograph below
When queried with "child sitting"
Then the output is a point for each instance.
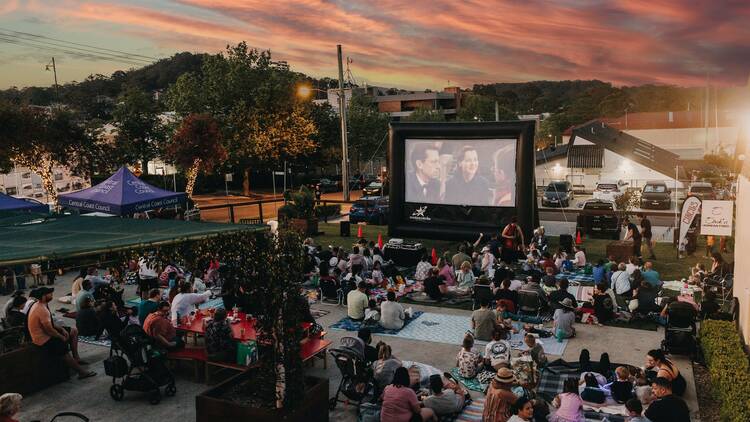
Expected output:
(497, 352)
(643, 391)
(592, 392)
(377, 274)
(622, 388)
(372, 313)
(568, 403)
(468, 361)
(635, 409)
(536, 351)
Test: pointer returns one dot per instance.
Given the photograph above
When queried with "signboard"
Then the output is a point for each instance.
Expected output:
(228, 177)
(690, 208)
(716, 218)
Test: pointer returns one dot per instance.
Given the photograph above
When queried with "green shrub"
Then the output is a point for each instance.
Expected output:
(327, 211)
(728, 367)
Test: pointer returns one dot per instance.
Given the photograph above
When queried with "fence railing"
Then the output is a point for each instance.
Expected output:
(260, 219)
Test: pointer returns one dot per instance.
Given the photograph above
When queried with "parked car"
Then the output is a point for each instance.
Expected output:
(369, 209)
(558, 194)
(373, 189)
(656, 195)
(701, 190)
(607, 191)
(599, 216)
(325, 185)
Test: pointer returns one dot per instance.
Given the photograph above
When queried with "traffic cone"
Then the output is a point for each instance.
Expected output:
(434, 257)
(380, 241)
(578, 237)
(359, 231)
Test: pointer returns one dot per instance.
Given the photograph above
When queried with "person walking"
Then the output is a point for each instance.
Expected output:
(647, 235)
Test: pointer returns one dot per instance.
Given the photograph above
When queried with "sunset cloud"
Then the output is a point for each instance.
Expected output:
(426, 43)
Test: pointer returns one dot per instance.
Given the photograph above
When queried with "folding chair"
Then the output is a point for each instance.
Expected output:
(529, 302)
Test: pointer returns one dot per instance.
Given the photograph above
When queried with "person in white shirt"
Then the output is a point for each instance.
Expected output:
(497, 352)
(488, 260)
(580, 257)
(185, 301)
(632, 265)
(148, 277)
(621, 285)
(392, 314)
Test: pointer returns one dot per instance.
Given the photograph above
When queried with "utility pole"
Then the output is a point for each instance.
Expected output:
(54, 72)
(497, 112)
(342, 114)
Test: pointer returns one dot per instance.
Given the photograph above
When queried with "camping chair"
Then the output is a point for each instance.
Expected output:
(529, 302)
(481, 292)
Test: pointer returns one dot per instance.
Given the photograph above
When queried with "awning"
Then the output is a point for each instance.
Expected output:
(60, 237)
(11, 204)
(585, 157)
(122, 194)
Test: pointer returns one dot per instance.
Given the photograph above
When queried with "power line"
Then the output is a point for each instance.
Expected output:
(79, 44)
(22, 42)
(72, 49)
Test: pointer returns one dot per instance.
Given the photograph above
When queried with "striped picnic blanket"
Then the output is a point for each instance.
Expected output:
(578, 276)
(472, 412)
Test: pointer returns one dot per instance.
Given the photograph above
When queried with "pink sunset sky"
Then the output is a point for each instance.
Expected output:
(412, 44)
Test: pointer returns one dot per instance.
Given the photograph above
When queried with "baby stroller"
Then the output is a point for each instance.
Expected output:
(679, 334)
(356, 375)
(135, 364)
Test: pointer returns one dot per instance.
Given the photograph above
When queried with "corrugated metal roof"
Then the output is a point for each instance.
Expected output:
(586, 156)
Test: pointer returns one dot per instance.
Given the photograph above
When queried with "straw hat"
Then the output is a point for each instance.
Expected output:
(504, 376)
(567, 303)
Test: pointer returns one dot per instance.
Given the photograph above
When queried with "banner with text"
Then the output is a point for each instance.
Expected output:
(690, 208)
(717, 217)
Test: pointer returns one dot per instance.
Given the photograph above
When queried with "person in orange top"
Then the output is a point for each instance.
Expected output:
(158, 326)
(55, 341)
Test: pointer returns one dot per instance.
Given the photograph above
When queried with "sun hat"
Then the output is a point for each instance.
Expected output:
(567, 303)
(504, 376)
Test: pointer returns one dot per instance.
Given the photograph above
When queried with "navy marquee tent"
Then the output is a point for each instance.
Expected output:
(11, 204)
(123, 193)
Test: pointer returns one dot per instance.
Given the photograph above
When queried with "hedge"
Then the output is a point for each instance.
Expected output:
(728, 367)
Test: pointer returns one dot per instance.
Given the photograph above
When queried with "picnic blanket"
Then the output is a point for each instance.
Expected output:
(472, 384)
(348, 324)
(473, 412)
(577, 276)
(105, 342)
(420, 298)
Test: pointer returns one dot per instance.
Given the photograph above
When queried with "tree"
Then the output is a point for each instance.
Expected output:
(424, 114)
(327, 137)
(42, 139)
(367, 128)
(480, 108)
(249, 94)
(196, 146)
(140, 132)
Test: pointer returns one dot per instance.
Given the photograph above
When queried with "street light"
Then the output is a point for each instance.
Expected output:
(304, 91)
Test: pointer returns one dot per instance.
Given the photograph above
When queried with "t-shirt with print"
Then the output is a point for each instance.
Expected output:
(498, 352)
(468, 363)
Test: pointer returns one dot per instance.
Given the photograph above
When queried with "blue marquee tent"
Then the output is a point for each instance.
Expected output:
(11, 204)
(123, 193)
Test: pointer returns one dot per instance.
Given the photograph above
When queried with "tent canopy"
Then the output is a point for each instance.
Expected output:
(60, 237)
(11, 204)
(123, 193)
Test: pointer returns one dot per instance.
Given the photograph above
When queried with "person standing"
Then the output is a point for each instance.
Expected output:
(635, 235)
(512, 238)
(647, 235)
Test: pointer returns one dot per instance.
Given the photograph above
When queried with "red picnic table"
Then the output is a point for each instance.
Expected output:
(243, 330)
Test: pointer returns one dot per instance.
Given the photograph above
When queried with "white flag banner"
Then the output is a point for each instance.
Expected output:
(690, 208)
(716, 218)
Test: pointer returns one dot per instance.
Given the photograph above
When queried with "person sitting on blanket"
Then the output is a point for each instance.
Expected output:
(549, 282)
(385, 366)
(622, 388)
(643, 391)
(423, 268)
(658, 365)
(563, 320)
(392, 315)
(498, 351)
(377, 274)
(86, 321)
(535, 350)
(483, 321)
(523, 409)
(592, 392)
(499, 399)
(602, 304)
(568, 403)
(109, 320)
(357, 301)
(468, 362)
(635, 411)
(400, 403)
(446, 398)
(667, 406)
(372, 313)
(434, 285)
(532, 285)
(598, 272)
(505, 293)
(561, 294)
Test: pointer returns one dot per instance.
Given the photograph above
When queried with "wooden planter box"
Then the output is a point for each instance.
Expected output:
(620, 249)
(307, 226)
(211, 406)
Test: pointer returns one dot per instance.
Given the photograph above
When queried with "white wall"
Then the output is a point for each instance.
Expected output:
(742, 266)
(23, 183)
(689, 143)
(556, 169)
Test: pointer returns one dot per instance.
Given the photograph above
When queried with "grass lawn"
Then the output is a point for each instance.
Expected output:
(667, 264)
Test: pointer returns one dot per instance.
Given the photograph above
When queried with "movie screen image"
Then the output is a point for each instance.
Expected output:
(476, 172)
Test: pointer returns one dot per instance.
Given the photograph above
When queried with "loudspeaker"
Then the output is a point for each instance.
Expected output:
(346, 228)
(566, 243)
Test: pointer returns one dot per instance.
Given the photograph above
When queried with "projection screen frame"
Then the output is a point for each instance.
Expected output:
(455, 221)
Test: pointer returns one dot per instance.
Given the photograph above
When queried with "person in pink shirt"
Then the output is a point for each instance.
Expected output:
(400, 402)
(568, 403)
(447, 272)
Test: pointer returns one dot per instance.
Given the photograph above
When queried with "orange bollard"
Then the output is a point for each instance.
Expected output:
(359, 231)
